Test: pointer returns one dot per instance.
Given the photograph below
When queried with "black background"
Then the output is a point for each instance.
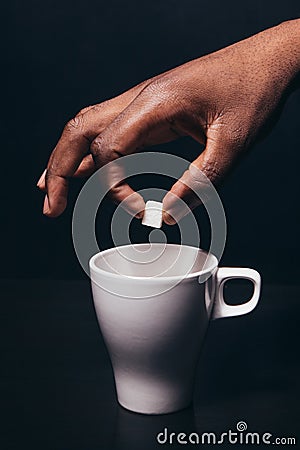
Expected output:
(58, 393)
(60, 56)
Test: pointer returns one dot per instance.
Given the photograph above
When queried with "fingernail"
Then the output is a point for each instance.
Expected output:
(42, 178)
(46, 208)
(169, 220)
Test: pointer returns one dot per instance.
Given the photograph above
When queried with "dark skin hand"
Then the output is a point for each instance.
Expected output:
(223, 100)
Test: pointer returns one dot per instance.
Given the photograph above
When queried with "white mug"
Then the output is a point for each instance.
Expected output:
(153, 303)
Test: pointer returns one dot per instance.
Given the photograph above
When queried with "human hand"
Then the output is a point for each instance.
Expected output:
(224, 100)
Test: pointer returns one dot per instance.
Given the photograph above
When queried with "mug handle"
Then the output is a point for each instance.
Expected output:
(223, 274)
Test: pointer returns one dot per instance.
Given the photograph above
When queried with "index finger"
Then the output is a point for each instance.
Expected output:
(64, 160)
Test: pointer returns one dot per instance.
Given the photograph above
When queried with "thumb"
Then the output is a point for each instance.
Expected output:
(196, 184)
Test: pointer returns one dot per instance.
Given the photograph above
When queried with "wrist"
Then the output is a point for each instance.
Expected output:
(287, 49)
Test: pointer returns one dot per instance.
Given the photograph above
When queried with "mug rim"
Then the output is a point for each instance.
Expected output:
(196, 274)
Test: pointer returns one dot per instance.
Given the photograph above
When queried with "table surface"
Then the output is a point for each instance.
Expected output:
(57, 383)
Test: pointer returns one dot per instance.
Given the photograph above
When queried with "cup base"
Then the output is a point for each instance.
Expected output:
(156, 412)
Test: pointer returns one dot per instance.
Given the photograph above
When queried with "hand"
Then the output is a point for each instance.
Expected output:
(223, 100)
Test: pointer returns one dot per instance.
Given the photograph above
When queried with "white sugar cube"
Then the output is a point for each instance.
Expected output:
(153, 214)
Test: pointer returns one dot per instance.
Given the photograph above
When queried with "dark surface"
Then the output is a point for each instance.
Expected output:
(59, 56)
(57, 384)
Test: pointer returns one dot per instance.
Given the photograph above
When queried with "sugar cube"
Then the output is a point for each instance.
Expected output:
(153, 214)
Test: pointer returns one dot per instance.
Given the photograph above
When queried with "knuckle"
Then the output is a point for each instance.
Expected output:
(75, 126)
(105, 143)
(97, 145)
(104, 149)
(212, 170)
(100, 149)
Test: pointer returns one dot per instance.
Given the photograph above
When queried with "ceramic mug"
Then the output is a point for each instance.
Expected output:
(153, 303)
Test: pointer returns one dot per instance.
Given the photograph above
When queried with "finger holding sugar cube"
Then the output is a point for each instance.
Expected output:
(153, 214)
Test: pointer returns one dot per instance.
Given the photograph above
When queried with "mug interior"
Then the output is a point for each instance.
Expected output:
(154, 260)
